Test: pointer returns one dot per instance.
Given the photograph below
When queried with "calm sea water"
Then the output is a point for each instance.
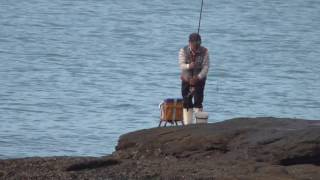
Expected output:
(76, 74)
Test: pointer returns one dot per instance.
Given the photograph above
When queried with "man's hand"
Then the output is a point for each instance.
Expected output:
(194, 81)
(184, 79)
(192, 65)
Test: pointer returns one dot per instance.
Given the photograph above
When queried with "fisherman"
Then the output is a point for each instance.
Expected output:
(194, 65)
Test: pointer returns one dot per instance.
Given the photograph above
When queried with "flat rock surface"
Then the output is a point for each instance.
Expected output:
(241, 148)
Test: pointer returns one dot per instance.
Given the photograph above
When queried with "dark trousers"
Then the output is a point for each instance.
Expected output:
(197, 95)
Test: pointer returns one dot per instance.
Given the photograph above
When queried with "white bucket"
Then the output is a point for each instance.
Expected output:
(201, 117)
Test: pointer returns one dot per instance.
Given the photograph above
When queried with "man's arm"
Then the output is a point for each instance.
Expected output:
(205, 66)
(182, 60)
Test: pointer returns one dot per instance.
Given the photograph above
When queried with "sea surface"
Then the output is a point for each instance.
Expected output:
(76, 74)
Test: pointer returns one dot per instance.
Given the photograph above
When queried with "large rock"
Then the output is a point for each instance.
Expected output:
(242, 148)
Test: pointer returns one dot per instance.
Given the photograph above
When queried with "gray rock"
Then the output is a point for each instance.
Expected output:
(242, 148)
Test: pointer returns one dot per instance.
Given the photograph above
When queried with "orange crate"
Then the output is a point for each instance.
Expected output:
(171, 110)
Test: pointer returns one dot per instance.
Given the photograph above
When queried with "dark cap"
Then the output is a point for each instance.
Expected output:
(195, 37)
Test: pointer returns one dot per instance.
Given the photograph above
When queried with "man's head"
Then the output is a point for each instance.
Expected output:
(194, 41)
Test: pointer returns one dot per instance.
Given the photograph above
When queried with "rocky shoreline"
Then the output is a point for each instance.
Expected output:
(241, 148)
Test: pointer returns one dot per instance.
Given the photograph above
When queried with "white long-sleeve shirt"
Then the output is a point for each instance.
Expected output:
(184, 66)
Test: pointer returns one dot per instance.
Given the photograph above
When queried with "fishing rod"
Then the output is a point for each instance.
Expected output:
(192, 89)
(200, 16)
